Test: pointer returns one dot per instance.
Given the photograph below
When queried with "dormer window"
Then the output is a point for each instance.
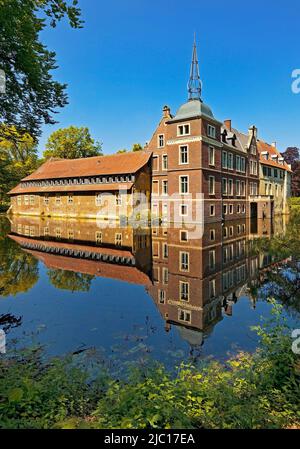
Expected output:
(183, 130)
(211, 131)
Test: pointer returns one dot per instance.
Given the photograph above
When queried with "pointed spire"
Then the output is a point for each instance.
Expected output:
(195, 84)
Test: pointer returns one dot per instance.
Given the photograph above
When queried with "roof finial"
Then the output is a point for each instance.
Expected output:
(194, 84)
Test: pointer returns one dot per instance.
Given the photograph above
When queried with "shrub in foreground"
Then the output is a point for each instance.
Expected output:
(259, 390)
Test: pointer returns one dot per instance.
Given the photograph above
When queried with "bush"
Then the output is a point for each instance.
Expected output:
(259, 390)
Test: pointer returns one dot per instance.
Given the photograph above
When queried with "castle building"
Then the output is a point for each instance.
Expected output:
(275, 178)
(193, 152)
(195, 169)
(97, 187)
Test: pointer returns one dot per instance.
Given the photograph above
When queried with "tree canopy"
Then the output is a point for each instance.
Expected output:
(31, 96)
(292, 157)
(71, 143)
(18, 158)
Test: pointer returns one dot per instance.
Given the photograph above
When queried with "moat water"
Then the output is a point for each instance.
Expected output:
(121, 292)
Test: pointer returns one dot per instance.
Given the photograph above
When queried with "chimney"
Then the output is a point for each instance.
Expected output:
(227, 124)
(166, 112)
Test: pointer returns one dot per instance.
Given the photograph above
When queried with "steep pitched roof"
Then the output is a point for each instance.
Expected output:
(273, 151)
(114, 164)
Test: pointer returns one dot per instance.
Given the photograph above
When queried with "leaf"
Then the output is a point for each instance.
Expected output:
(15, 395)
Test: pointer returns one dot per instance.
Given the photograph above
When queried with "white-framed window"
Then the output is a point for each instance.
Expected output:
(230, 161)
(211, 185)
(165, 162)
(32, 200)
(238, 163)
(118, 239)
(212, 288)
(183, 130)
(57, 200)
(70, 234)
(238, 187)
(184, 261)
(155, 160)
(184, 184)
(183, 155)
(243, 209)
(118, 199)
(238, 209)
(224, 186)
(162, 296)
(26, 200)
(165, 273)
(165, 251)
(58, 233)
(184, 291)
(243, 165)
(164, 187)
(211, 156)
(212, 259)
(70, 198)
(161, 140)
(230, 231)
(224, 159)
(184, 315)
(225, 232)
(46, 199)
(230, 187)
(46, 231)
(211, 131)
(98, 237)
(184, 236)
(225, 208)
(230, 209)
(212, 235)
(19, 200)
(183, 210)
(212, 210)
(98, 199)
(243, 190)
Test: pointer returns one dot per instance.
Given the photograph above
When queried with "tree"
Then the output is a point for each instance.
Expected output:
(122, 151)
(32, 96)
(18, 158)
(69, 280)
(71, 143)
(291, 156)
(137, 147)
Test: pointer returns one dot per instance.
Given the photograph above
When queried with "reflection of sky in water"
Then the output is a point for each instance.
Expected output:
(126, 321)
(121, 319)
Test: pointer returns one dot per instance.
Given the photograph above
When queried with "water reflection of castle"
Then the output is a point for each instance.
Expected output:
(193, 281)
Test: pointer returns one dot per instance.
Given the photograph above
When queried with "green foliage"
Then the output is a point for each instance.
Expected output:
(37, 395)
(32, 95)
(137, 147)
(70, 280)
(259, 390)
(71, 143)
(18, 158)
(282, 245)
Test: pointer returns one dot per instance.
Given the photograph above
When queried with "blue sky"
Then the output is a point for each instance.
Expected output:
(132, 57)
